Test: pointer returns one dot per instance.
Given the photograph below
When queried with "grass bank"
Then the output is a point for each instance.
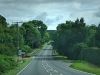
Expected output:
(58, 56)
(19, 67)
(87, 67)
(23, 64)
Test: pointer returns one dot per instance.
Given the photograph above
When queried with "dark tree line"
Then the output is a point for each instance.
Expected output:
(30, 33)
(78, 41)
(26, 37)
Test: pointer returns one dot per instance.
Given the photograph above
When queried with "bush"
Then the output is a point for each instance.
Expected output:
(81, 51)
(77, 50)
(6, 63)
(92, 55)
(27, 49)
(7, 49)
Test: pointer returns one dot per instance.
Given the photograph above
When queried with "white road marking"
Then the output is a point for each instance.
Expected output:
(45, 68)
(51, 69)
(24, 68)
(47, 71)
(56, 71)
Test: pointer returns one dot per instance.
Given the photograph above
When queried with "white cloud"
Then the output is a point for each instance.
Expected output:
(51, 12)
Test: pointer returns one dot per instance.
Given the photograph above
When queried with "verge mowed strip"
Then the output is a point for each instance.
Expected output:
(87, 67)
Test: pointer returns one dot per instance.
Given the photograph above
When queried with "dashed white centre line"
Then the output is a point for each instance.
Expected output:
(49, 69)
(56, 71)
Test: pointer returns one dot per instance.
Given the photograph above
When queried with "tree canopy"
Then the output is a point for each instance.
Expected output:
(77, 40)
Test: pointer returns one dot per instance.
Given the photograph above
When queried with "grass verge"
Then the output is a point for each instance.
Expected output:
(19, 67)
(58, 56)
(25, 62)
(87, 67)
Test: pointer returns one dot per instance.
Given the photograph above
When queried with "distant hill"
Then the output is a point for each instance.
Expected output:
(51, 31)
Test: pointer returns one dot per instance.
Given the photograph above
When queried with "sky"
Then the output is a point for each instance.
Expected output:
(51, 12)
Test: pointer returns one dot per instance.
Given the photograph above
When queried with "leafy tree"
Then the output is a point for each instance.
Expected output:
(77, 40)
(31, 35)
(26, 37)
(3, 22)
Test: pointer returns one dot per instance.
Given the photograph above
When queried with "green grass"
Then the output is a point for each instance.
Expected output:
(87, 67)
(19, 67)
(25, 62)
(59, 56)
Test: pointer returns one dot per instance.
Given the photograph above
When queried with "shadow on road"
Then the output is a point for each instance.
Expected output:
(50, 57)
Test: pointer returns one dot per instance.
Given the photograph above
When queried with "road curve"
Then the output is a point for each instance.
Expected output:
(44, 64)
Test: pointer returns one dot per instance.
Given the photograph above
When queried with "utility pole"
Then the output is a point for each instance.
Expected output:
(19, 52)
(17, 23)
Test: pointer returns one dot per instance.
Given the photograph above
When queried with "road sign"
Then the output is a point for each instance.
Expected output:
(19, 52)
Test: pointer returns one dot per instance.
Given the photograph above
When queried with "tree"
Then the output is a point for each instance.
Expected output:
(82, 22)
(78, 41)
(3, 22)
(31, 35)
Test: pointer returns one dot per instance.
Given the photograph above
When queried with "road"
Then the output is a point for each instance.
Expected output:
(45, 64)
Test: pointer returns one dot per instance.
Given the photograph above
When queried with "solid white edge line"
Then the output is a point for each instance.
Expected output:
(24, 67)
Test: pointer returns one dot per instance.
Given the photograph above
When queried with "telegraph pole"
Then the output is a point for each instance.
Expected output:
(19, 52)
(17, 23)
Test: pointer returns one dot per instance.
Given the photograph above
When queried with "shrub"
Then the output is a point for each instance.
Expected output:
(6, 63)
(26, 49)
(7, 49)
(92, 54)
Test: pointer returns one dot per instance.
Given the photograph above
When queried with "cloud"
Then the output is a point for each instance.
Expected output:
(47, 1)
(42, 16)
(49, 20)
(97, 13)
(51, 12)
(36, 1)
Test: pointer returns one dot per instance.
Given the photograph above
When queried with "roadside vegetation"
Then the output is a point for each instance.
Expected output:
(87, 67)
(19, 67)
(26, 37)
(78, 41)
(24, 62)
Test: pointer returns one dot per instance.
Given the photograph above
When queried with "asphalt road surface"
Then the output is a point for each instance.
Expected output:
(45, 64)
